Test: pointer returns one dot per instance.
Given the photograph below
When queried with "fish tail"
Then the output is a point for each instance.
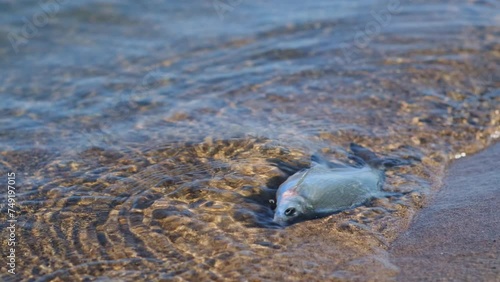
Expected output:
(364, 156)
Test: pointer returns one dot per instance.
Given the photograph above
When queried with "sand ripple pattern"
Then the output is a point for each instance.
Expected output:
(189, 212)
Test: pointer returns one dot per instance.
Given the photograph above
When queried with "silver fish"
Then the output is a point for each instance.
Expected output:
(326, 188)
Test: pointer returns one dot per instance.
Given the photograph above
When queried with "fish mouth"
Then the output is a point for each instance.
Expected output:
(279, 220)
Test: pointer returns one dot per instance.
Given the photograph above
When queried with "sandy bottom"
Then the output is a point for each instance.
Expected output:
(457, 236)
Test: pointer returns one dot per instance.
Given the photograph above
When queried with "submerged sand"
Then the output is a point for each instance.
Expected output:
(457, 236)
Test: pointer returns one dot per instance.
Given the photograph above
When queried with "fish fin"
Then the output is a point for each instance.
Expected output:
(364, 156)
(359, 162)
(318, 159)
(363, 153)
(287, 167)
(388, 163)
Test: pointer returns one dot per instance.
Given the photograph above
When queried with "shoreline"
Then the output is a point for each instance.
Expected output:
(456, 236)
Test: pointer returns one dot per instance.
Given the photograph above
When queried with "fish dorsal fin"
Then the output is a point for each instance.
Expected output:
(362, 153)
(318, 159)
(363, 156)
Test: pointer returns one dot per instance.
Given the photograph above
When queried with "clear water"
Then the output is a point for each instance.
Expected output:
(141, 133)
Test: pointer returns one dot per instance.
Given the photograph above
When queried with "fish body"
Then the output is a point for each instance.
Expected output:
(323, 189)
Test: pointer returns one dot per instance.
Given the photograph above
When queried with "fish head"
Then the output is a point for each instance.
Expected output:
(290, 211)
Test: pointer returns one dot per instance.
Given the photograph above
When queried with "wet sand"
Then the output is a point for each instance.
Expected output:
(457, 236)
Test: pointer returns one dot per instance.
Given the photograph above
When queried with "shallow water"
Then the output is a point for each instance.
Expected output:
(141, 134)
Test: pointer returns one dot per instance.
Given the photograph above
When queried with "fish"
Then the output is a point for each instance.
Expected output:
(329, 187)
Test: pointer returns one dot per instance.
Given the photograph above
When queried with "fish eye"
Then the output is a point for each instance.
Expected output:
(290, 212)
